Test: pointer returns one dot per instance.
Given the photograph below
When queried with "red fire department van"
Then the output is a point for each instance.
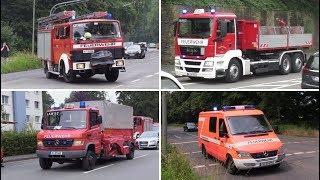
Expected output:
(85, 133)
(85, 45)
(240, 137)
(141, 124)
(215, 44)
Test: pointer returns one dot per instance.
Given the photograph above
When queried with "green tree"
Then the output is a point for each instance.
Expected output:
(144, 103)
(76, 96)
(47, 101)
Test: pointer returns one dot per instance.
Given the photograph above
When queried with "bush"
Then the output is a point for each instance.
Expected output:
(20, 61)
(18, 143)
(8, 36)
(176, 166)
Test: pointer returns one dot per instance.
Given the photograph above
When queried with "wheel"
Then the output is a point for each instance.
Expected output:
(204, 152)
(112, 74)
(46, 71)
(45, 163)
(297, 62)
(68, 77)
(285, 66)
(276, 165)
(86, 75)
(157, 146)
(130, 155)
(234, 71)
(231, 167)
(89, 161)
(142, 55)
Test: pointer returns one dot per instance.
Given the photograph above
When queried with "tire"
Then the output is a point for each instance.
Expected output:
(45, 163)
(68, 77)
(112, 74)
(142, 55)
(231, 167)
(297, 62)
(157, 146)
(204, 152)
(285, 66)
(234, 71)
(89, 161)
(130, 155)
(276, 166)
(86, 75)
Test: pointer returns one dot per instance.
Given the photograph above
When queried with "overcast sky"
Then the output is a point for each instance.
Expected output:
(59, 96)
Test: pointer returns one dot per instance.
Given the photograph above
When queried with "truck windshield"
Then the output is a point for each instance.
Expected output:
(200, 28)
(66, 120)
(149, 134)
(251, 124)
(96, 30)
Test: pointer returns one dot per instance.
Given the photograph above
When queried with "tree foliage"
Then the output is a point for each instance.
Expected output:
(76, 96)
(280, 107)
(144, 103)
(139, 18)
(47, 101)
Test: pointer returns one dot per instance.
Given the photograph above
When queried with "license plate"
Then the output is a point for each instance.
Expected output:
(55, 153)
(266, 163)
(191, 74)
(80, 66)
(88, 51)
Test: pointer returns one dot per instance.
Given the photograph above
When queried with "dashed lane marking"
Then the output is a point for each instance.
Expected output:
(98, 168)
(203, 166)
(186, 153)
(141, 156)
(281, 85)
(187, 142)
(177, 136)
(135, 80)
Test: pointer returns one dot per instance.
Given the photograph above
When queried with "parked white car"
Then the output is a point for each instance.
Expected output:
(148, 140)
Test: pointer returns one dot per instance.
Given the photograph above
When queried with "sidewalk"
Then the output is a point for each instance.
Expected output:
(19, 157)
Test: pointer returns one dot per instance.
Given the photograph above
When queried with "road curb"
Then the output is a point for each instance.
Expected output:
(19, 158)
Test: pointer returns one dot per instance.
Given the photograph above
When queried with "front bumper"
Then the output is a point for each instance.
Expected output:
(96, 64)
(147, 146)
(244, 164)
(65, 154)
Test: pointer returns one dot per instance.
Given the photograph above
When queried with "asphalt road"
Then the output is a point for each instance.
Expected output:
(140, 74)
(145, 165)
(302, 161)
(270, 80)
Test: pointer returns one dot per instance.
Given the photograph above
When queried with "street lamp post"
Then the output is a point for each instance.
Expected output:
(33, 23)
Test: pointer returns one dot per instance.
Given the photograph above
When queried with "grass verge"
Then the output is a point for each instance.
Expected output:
(20, 61)
(175, 166)
(295, 130)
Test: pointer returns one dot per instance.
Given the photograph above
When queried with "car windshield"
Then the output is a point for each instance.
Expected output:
(313, 63)
(251, 124)
(148, 134)
(96, 30)
(191, 124)
(66, 119)
(134, 47)
(200, 28)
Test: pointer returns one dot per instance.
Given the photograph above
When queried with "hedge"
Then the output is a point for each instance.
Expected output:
(18, 143)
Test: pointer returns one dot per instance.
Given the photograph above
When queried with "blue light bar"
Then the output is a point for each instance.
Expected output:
(239, 107)
(82, 104)
(184, 11)
(109, 16)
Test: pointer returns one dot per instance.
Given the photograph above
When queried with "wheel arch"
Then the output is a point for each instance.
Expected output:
(65, 59)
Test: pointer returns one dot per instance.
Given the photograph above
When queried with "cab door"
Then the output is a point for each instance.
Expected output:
(61, 42)
(212, 136)
(94, 133)
(225, 35)
(223, 138)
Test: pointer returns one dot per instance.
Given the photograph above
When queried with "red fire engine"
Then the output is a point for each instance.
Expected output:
(142, 124)
(86, 45)
(214, 44)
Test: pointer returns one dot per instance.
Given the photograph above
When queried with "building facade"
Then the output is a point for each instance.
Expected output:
(22, 110)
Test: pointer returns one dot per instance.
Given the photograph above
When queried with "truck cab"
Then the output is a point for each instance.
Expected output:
(69, 134)
(240, 137)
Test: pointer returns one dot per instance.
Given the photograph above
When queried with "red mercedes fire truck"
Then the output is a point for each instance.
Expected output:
(86, 45)
(215, 44)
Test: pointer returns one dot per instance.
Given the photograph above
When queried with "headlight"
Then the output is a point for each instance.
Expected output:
(208, 63)
(177, 62)
(153, 142)
(244, 155)
(281, 150)
(39, 143)
(120, 63)
(78, 143)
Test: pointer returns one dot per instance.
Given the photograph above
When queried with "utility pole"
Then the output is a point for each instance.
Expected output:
(164, 123)
(33, 24)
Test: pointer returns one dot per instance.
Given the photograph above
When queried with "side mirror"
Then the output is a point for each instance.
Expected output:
(223, 134)
(138, 135)
(99, 120)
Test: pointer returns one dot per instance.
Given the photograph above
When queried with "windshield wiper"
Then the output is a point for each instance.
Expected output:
(240, 133)
(257, 131)
(68, 127)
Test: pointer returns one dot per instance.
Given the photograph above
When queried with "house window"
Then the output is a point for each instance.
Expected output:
(36, 104)
(27, 118)
(37, 119)
(5, 117)
(5, 99)
(27, 102)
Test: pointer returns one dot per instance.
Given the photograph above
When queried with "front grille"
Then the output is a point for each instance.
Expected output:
(58, 142)
(143, 143)
(262, 154)
(192, 63)
(79, 56)
(192, 69)
(190, 51)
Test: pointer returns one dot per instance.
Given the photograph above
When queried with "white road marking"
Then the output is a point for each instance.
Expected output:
(288, 154)
(98, 168)
(288, 85)
(187, 142)
(119, 86)
(297, 142)
(177, 136)
(213, 164)
(298, 153)
(141, 156)
(195, 152)
(308, 152)
(135, 80)
(271, 83)
(149, 76)
(191, 134)
(200, 166)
